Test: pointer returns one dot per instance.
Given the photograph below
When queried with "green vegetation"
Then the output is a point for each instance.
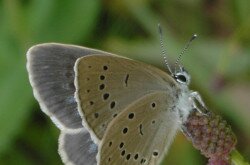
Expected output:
(219, 61)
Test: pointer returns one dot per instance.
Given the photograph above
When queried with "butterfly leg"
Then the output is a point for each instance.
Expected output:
(196, 97)
(185, 131)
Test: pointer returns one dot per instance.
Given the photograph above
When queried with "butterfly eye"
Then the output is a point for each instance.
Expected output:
(181, 78)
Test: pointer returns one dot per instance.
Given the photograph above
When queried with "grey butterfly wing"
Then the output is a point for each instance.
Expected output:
(141, 133)
(77, 148)
(51, 74)
(105, 85)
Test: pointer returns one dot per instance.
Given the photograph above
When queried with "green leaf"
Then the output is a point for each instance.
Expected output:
(15, 99)
(62, 21)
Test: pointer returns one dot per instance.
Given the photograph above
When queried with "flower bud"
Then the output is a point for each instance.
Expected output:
(211, 135)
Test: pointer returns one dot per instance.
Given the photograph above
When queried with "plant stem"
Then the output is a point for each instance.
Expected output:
(237, 158)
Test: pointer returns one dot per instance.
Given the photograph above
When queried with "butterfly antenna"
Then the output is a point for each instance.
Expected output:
(163, 50)
(184, 49)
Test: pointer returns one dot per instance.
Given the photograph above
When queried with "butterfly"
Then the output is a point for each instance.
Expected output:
(131, 110)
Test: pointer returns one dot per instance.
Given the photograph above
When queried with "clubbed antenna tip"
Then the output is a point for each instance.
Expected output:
(193, 37)
(163, 50)
(159, 28)
(184, 50)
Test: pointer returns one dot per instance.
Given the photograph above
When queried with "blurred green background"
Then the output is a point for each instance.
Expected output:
(219, 61)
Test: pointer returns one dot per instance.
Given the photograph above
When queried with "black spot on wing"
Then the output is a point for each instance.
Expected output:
(126, 80)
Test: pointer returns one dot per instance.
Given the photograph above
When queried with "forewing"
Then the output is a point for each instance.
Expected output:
(105, 85)
(51, 74)
(142, 133)
(77, 148)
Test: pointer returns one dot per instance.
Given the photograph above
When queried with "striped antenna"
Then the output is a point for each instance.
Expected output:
(163, 50)
(184, 50)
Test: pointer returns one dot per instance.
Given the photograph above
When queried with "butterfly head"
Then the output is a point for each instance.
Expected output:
(182, 76)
